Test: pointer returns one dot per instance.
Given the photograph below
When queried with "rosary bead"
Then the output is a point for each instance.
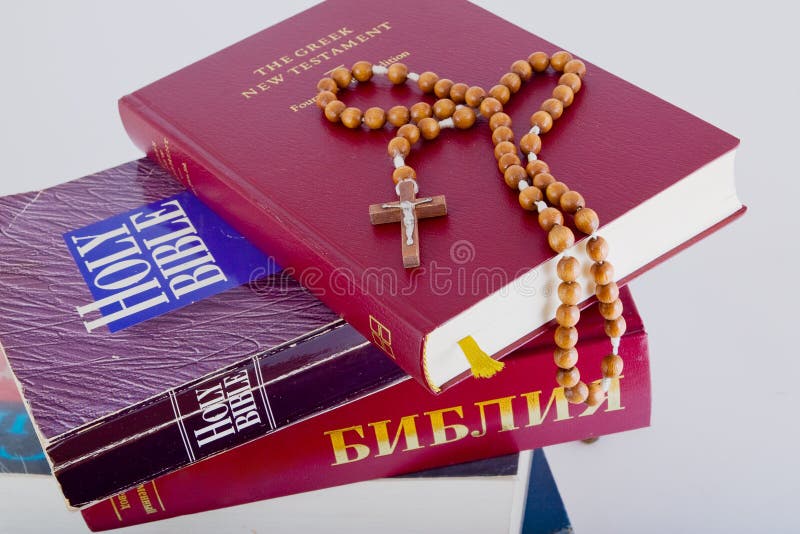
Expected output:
(420, 110)
(575, 66)
(611, 366)
(458, 92)
(528, 196)
(490, 106)
(501, 93)
(327, 84)
(564, 94)
(504, 147)
(565, 358)
(611, 310)
(464, 118)
(537, 166)
(586, 220)
(554, 107)
(567, 315)
(539, 61)
(560, 238)
(512, 81)
(375, 118)
(615, 327)
(427, 81)
(543, 120)
(444, 108)
(522, 69)
(559, 60)
(549, 218)
(334, 109)
(398, 72)
(324, 98)
(577, 393)
(571, 80)
(409, 132)
(572, 201)
(429, 128)
(513, 176)
(474, 96)
(342, 77)
(569, 292)
(507, 160)
(498, 120)
(597, 248)
(442, 88)
(568, 268)
(543, 179)
(554, 192)
(530, 142)
(603, 273)
(501, 133)
(351, 117)
(568, 377)
(398, 116)
(595, 394)
(607, 292)
(362, 71)
(566, 336)
(399, 146)
(403, 173)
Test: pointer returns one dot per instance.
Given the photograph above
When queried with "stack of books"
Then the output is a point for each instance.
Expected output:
(214, 325)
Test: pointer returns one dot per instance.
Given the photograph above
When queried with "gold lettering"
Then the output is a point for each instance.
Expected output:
(407, 428)
(613, 399)
(145, 499)
(440, 429)
(506, 411)
(535, 415)
(124, 503)
(341, 449)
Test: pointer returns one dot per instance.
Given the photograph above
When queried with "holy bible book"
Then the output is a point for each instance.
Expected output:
(240, 128)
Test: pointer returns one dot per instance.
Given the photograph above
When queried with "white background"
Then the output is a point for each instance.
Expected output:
(722, 453)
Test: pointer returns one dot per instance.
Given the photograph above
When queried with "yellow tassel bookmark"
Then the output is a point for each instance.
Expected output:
(482, 365)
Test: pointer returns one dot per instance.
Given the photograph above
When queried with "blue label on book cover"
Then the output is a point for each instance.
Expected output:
(158, 258)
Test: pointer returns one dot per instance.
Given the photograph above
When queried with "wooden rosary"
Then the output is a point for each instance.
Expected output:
(458, 106)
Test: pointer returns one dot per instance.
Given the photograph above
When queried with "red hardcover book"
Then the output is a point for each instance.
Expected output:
(404, 429)
(241, 130)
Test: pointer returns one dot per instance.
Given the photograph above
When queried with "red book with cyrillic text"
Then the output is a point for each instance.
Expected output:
(240, 128)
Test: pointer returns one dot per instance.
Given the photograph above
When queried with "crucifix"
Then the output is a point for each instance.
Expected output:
(407, 211)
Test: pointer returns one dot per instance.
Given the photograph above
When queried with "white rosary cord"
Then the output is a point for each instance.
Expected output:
(379, 70)
(399, 161)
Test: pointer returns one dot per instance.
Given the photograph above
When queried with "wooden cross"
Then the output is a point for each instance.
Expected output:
(407, 211)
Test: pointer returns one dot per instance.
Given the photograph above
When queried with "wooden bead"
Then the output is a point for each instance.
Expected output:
(565, 358)
(571, 80)
(444, 108)
(464, 118)
(572, 201)
(342, 77)
(514, 175)
(597, 248)
(522, 69)
(427, 81)
(543, 179)
(362, 71)
(498, 120)
(398, 72)
(569, 292)
(507, 160)
(419, 111)
(539, 61)
(575, 66)
(334, 109)
(512, 81)
(607, 292)
(595, 394)
(564, 94)
(554, 107)
(398, 116)
(554, 192)
(566, 336)
(409, 132)
(324, 98)
(543, 120)
(559, 60)
(442, 88)
(458, 92)
(577, 393)
(603, 273)
(530, 142)
(612, 366)
(474, 96)
(568, 377)
(549, 218)
(399, 146)
(375, 118)
(560, 238)
(586, 220)
(351, 117)
(567, 314)
(327, 84)
(568, 268)
(537, 166)
(502, 133)
(429, 128)
(500, 92)
(615, 327)
(529, 196)
(403, 173)
(505, 147)
(489, 106)
(610, 310)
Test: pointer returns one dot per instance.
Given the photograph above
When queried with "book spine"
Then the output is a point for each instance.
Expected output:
(267, 226)
(398, 430)
(216, 413)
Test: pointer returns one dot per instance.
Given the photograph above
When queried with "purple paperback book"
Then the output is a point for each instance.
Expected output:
(145, 334)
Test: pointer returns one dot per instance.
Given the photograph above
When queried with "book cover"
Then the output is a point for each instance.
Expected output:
(403, 429)
(109, 377)
(240, 128)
